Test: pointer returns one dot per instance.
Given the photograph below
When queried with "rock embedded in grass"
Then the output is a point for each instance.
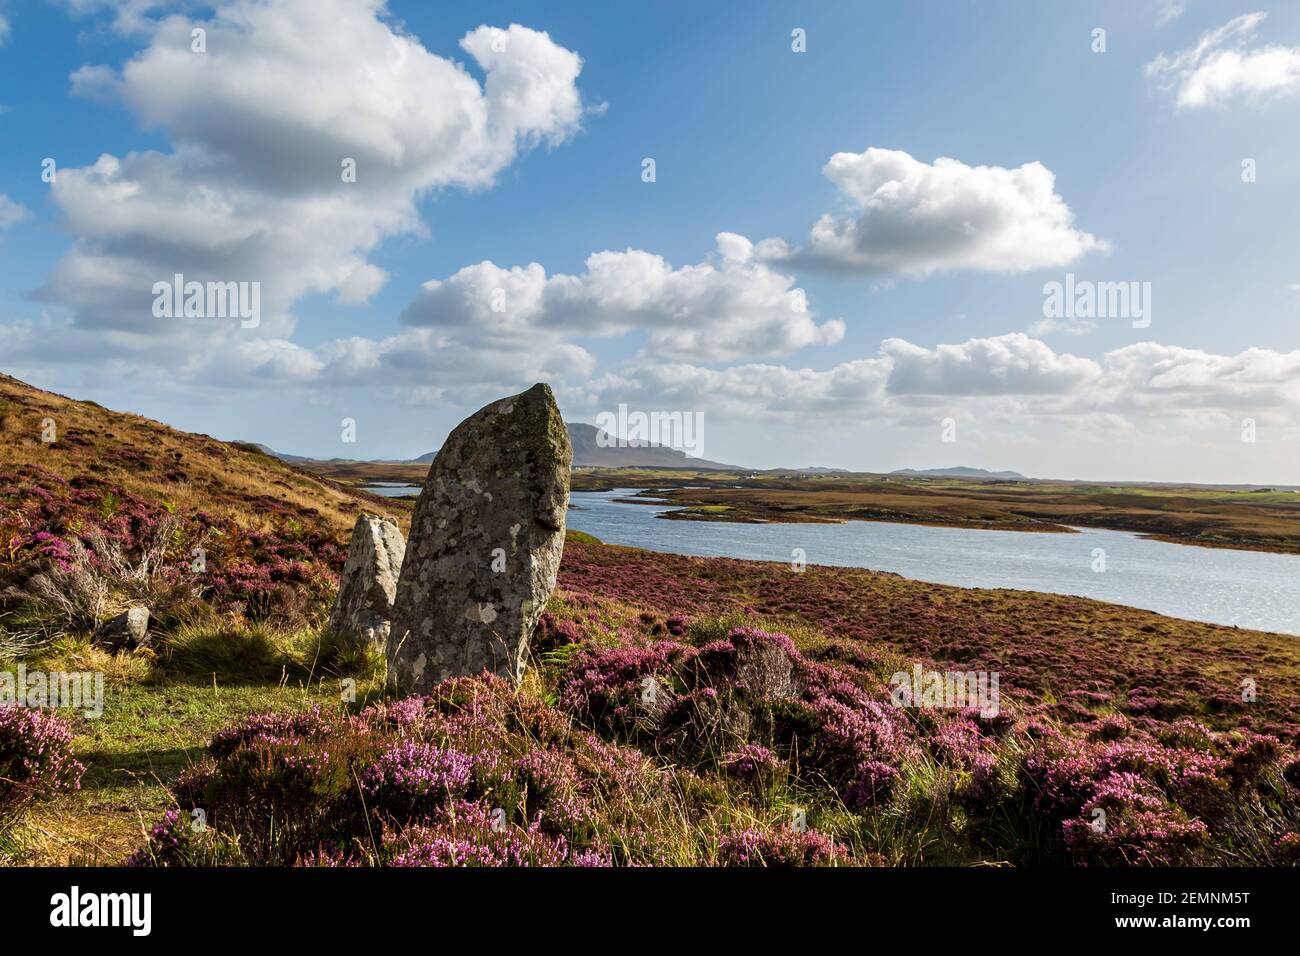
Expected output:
(127, 631)
(363, 611)
(486, 538)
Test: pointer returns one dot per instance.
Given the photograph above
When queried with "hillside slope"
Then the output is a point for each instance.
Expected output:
(152, 461)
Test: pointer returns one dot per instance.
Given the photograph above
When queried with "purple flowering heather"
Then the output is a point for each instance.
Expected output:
(35, 758)
(274, 728)
(418, 772)
(874, 786)
(750, 761)
(474, 834)
(167, 841)
(778, 848)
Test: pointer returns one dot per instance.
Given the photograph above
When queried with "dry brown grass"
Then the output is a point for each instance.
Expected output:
(189, 472)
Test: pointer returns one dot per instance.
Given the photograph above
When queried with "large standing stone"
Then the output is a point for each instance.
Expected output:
(486, 540)
(363, 609)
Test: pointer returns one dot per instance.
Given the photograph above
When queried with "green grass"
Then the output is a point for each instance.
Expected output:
(148, 734)
(160, 708)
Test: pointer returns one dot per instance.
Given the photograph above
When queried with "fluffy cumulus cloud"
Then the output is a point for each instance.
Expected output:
(1224, 66)
(729, 308)
(914, 218)
(1163, 379)
(11, 212)
(284, 100)
(1010, 378)
(488, 329)
(744, 393)
(1011, 364)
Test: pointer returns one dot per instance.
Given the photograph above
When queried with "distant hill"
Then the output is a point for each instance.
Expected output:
(587, 452)
(266, 450)
(960, 472)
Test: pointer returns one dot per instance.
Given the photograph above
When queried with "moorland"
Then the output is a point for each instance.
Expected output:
(772, 737)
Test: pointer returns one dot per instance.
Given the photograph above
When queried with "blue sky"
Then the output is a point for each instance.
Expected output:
(1145, 142)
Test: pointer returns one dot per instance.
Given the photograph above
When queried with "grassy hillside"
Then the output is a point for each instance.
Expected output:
(678, 710)
(146, 459)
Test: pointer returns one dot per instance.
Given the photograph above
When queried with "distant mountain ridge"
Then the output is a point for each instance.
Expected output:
(589, 450)
(961, 471)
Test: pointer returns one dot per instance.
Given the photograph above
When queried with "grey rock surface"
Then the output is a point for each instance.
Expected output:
(486, 539)
(127, 631)
(363, 610)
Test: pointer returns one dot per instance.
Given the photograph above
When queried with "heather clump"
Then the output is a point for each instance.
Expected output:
(410, 775)
(751, 762)
(1188, 796)
(751, 687)
(184, 840)
(623, 690)
(874, 785)
(751, 708)
(474, 774)
(166, 843)
(274, 728)
(76, 551)
(731, 743)
(470, 834)
(778, 848)
(36, 760)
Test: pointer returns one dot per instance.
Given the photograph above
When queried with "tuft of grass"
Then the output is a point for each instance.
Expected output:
(237, 651)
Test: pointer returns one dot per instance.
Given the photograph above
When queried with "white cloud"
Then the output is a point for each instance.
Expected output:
(1009, 378)
(1222, 66)
(1011, 364)
(261, 125)
(1170, 10)
(11, 212)
(128, 17)
(729, 308)
(915, 218)
(5, 29)
(733, 308)
(1165, 379)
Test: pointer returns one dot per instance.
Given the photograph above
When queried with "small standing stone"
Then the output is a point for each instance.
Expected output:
(363, 610)
(486, 538)
(127, 631)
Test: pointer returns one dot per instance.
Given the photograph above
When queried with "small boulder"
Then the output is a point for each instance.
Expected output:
(363, 610)
(127, 631)
(486, 538)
